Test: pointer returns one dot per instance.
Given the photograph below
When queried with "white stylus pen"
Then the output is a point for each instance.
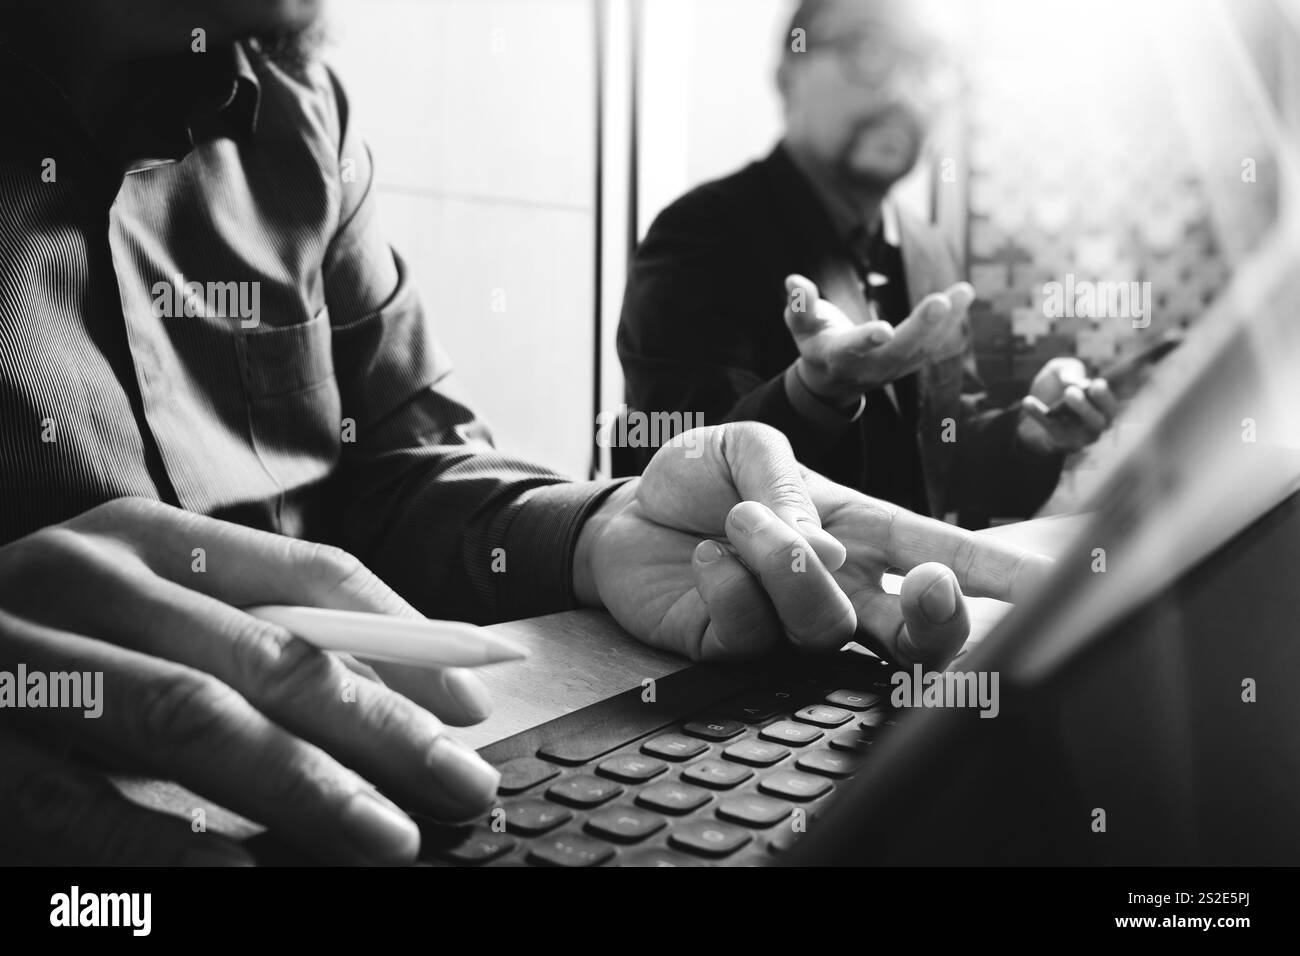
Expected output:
(381, 637)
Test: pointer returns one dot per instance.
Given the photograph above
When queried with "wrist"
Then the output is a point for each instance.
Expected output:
(843, 396)
(585, 550)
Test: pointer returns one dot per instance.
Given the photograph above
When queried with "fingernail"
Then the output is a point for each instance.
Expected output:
(378, 831)
(463, 775)
(832, 553)
(939, 602)
(878, 337)
(215, 854)
(470, 693)
(707, 552)
(748, 516)
(938, 308)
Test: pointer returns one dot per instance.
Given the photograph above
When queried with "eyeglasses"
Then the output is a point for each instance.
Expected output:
(871, 61)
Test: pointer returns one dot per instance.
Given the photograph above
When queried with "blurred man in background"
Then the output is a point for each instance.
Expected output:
(795, 292)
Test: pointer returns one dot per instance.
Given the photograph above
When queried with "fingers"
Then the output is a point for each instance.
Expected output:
(168, 720)
(1077, 401)
(455, 695)
(1099, 393)
(1036, 410)
(806, 313)
(763, 469)
(53, 812)
(813, 610)
(962, 296)
(860, 341)
(1070, 371)
(926, 623)
(985, 566)
(242, 566)
(911, 335)
(742, 621)
(371, 728)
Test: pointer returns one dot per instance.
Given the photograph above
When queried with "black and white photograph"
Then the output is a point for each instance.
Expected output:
(755, 434)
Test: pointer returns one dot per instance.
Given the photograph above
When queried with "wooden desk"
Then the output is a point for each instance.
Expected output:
(578, 658)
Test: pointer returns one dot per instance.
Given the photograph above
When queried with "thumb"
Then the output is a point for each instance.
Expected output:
(802, 316)
(1070, 371)
(962, 297)
(934, 614)
(916, 329)
(764, 469)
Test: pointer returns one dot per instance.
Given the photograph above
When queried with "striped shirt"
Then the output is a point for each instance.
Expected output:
(203, 311)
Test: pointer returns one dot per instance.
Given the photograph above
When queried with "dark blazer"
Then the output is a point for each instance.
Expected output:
(702, 330)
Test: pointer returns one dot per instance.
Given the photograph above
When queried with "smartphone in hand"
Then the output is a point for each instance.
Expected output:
(1124, 374)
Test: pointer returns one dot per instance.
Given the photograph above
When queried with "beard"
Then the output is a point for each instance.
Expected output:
(293, 50)
(882, 150)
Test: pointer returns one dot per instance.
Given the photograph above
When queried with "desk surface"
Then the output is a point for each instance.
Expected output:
(578, 658)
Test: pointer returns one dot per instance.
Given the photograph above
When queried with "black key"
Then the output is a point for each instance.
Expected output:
(756, 752)
(788, 732)
(875, 719)
(531, 817)
(824, 715)
(760, 706)
(594, 732)
(719, 728)
(584, 790)
(831, 763)
(795, 786)
(570, 849)
(853, 699)
(754, 810)
(857, 741)
(625, 824)
(632, 768)
(674, 747)
(753, 710)
(783, 839)
(709, 838)
(670, 797)
(660, 857)
(524, 772)
(717, 774)
(481, 846)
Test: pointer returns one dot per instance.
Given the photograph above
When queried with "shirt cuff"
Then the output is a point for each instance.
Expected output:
(824, 417)
(538, 546)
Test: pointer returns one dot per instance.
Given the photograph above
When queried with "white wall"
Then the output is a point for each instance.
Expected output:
(480, 117)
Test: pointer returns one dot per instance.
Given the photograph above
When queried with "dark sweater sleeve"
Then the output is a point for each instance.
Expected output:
(694, 329)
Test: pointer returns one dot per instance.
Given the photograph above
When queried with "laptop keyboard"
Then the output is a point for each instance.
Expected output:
(733, 782)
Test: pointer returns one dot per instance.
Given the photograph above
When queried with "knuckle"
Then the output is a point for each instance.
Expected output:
(390, 716)
(31, 567)
(332, 567)
(279, 669)
(965, 558)
(787, 490)
(184, 711)
(306, 778)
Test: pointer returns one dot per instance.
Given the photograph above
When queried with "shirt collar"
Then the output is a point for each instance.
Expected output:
(223, 91)
(230, 90)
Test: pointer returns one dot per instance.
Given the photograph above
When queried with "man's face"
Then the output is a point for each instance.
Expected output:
(243, 18)
(861, 99)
